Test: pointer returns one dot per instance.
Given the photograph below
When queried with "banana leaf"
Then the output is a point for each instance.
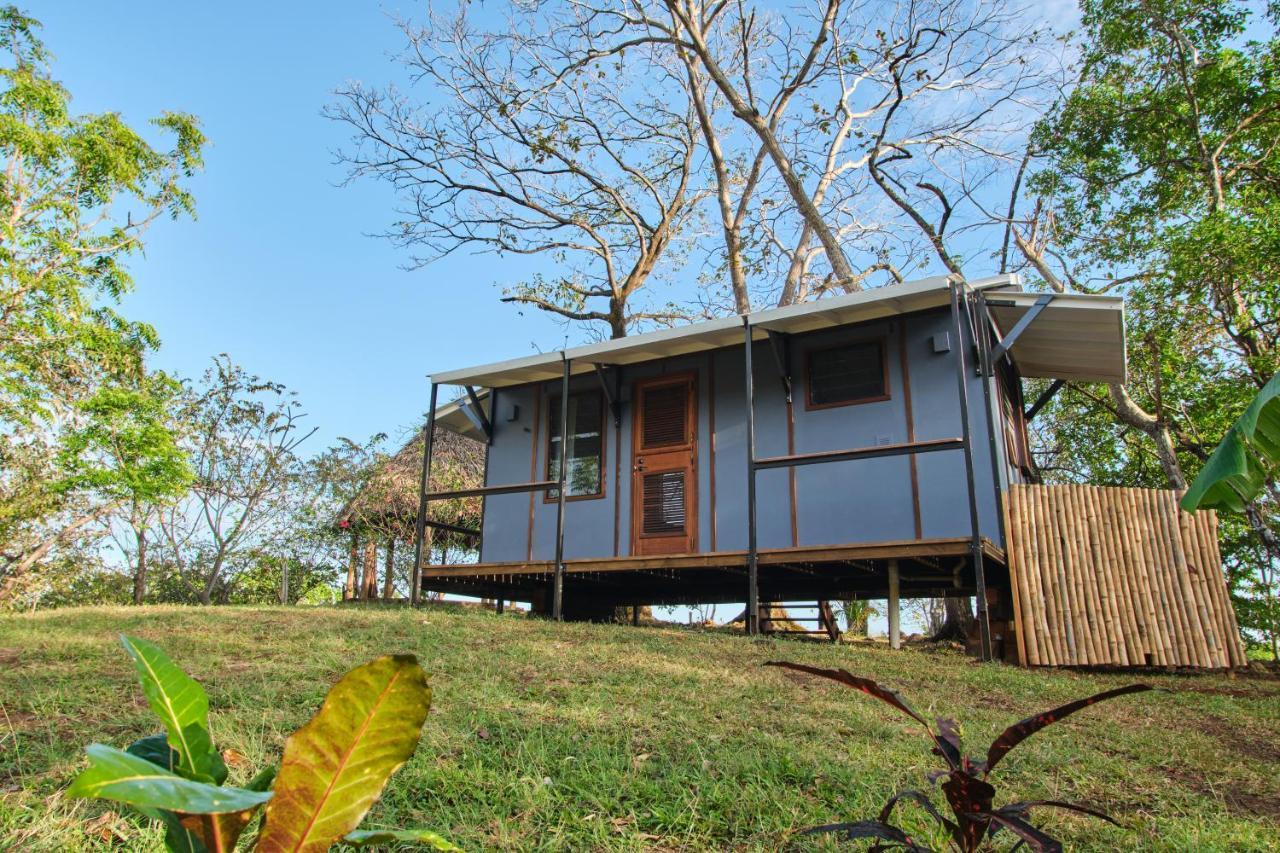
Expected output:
(1247, 455)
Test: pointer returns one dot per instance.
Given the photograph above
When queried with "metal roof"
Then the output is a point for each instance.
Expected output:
(887, 301)
(1078, 337)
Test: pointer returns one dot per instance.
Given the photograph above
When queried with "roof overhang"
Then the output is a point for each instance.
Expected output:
(864, 305)
(1078, 337)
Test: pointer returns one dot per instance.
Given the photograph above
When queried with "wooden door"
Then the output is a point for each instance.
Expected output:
(664, 506)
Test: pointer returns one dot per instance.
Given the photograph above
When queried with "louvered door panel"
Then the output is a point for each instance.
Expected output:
(665, 416)
(664, 502)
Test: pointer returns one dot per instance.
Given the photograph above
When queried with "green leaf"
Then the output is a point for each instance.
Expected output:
(155, 748)
(336, 765)
(181, 704)
(114, 774)
(262, 782)
(424, 837)
(1238, 468)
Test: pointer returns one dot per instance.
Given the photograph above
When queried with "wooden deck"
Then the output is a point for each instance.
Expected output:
(927, 566)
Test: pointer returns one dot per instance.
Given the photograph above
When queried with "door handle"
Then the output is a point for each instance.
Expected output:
(639, 468)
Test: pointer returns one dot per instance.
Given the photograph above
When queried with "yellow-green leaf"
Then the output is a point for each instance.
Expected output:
(336, 766)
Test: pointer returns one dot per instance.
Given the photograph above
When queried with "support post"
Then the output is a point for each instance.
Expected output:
(420, 532)
(500, 606)
(557, 589)
(895, 614)
(987, 371)
(635, 616)
(975, 526)
(753, 578)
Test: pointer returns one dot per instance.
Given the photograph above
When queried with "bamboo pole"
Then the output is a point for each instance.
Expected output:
(1138, 644)
(1173, 599)
(1163, 652)
(1015, 558)
(1086, 654)
(1057, 577)
(1209, 521)
(1046, 614)
(1194, 561)
(1094, 569)
(1118, 627)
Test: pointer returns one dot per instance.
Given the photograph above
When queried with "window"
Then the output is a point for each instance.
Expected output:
(584, 471)
(850, 373)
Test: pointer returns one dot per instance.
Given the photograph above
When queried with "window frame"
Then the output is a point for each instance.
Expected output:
(553, 399)
(882, 342)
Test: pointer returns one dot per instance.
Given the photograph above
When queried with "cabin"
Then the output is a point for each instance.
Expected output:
(869, 445)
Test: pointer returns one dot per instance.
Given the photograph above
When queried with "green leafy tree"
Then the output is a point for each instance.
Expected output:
(1161, 182)
(77, 195)
(127, 454)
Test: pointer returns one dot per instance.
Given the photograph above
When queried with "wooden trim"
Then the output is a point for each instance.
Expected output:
(809, 405)
(533, 462)
(691, 447)
(711, 439)
(604, 448)
(894, 549)
(617, 471)
(911, 427)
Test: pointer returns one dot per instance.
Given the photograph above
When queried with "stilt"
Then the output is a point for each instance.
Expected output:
(895, 615)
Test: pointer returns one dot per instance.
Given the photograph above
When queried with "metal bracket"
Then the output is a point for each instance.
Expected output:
(1043, 399)
(1006, 343)
(782, 356)
(478, 410)
(610, 394)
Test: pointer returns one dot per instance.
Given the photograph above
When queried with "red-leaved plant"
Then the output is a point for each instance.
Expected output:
(967, 790)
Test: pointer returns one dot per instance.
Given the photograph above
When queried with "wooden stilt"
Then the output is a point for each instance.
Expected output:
(895, 628)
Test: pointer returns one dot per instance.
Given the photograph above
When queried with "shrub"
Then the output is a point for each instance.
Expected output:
(334, 768)
(968, 791)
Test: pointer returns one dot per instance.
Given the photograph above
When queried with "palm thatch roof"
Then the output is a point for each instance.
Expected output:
(388, 501)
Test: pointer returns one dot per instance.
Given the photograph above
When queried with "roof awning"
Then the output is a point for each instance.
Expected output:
(1077, 337)
(887, 301)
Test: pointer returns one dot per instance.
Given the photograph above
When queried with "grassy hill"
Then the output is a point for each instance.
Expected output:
(586, 737)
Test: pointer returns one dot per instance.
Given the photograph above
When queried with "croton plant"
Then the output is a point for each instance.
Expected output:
(333, 769)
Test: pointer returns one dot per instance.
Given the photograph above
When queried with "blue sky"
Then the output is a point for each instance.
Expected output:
(278, 270)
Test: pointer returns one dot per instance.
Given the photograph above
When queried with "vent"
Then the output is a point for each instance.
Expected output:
(666, 411)
(664, 503)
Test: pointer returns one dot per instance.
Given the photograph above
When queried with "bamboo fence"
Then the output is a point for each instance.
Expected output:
(1117, 577)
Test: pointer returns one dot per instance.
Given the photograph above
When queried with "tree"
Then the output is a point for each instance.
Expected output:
(529, 153)
(1161, 181)
(127, 454)
(244, 433)
(77, 195)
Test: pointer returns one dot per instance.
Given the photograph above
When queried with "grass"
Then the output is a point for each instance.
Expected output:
(592, 737)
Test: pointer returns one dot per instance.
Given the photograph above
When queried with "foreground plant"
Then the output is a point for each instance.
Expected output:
(334, 768)
(967, 789)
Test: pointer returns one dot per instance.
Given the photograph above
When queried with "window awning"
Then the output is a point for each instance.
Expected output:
(1078, 337)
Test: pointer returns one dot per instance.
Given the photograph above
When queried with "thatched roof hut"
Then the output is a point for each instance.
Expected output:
(388, 501)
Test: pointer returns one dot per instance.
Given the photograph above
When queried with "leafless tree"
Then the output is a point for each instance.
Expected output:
(516, 140)
(245, 433)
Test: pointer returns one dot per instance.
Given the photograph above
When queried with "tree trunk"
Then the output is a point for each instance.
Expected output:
(140, 566)
(369, 583)
(284, 581)
(349, 591)
(388, 578)
(959, 616)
